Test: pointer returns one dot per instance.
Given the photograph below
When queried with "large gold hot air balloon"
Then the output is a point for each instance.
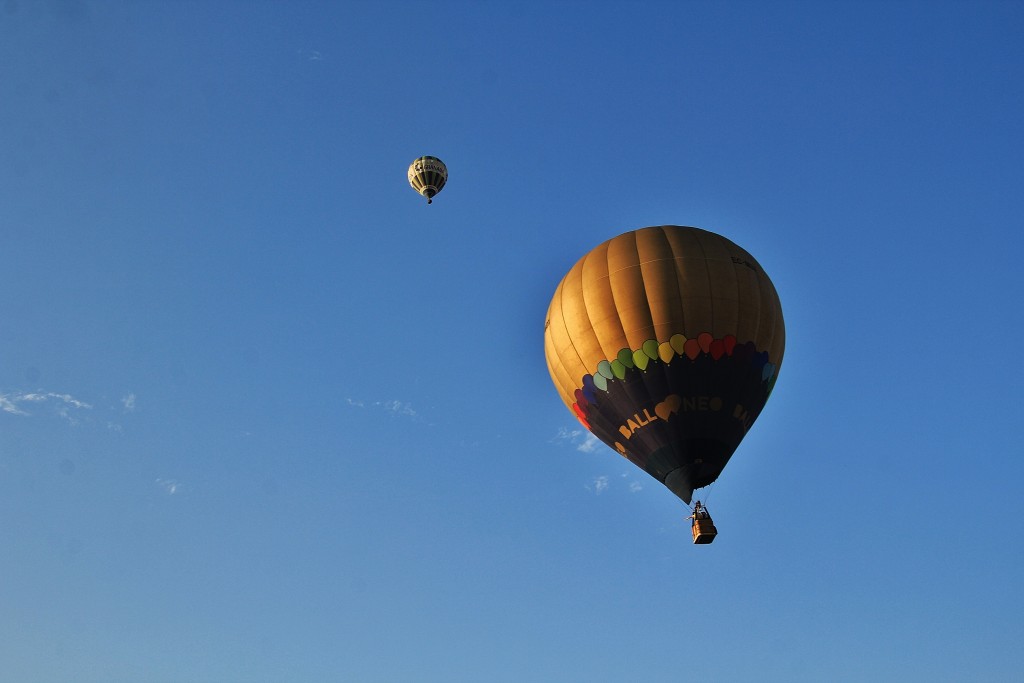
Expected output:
(427, 175)
(665, 342)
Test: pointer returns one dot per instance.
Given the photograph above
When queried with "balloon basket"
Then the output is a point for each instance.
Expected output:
(704, 531)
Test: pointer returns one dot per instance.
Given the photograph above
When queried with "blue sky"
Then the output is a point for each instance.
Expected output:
(266, 416)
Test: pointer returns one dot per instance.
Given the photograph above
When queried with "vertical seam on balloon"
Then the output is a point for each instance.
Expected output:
(643, 284)
(766, 303)
(565, 325)
(636, 253)
(611, 295)
(557, 356)
(738, 305)
(586, 305)
(711, 288)
(757, 315)
(780, 324)
(590, 318)
(660, 264)
(679, 289)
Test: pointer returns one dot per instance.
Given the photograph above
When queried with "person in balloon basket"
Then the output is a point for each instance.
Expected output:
(704, 530)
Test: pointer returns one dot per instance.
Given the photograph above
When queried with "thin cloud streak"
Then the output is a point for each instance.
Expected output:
(582, 440)
(589, 444)
(169, 486)
(394, 407)
(63, 403)
(43, 404)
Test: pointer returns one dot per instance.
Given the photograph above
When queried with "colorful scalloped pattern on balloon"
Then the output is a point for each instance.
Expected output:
(678, 346)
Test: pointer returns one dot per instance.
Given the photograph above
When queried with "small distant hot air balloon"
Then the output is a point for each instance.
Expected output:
(666, 342)
(427, 175)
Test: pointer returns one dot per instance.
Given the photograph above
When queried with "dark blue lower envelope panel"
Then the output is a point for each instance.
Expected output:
(678, 409)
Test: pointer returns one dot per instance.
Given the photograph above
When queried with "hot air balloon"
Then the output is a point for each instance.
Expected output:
(666, 342)
(427, 175)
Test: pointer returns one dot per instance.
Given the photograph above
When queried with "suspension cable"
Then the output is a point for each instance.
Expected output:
(707, 496)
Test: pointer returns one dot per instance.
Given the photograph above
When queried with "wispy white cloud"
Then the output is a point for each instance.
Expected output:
(581, 439)
(43, 404)
(635, 486)
(64, 405)
(311, 55)
(398, 408)
(10, 405)
(393, 407)
(564, 435)
(169, 486)
(599, 485)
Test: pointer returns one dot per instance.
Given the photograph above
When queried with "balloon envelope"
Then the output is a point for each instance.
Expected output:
(428, 175)
(666, 342)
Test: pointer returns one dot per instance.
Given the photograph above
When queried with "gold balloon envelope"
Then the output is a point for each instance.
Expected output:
(666, 342)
